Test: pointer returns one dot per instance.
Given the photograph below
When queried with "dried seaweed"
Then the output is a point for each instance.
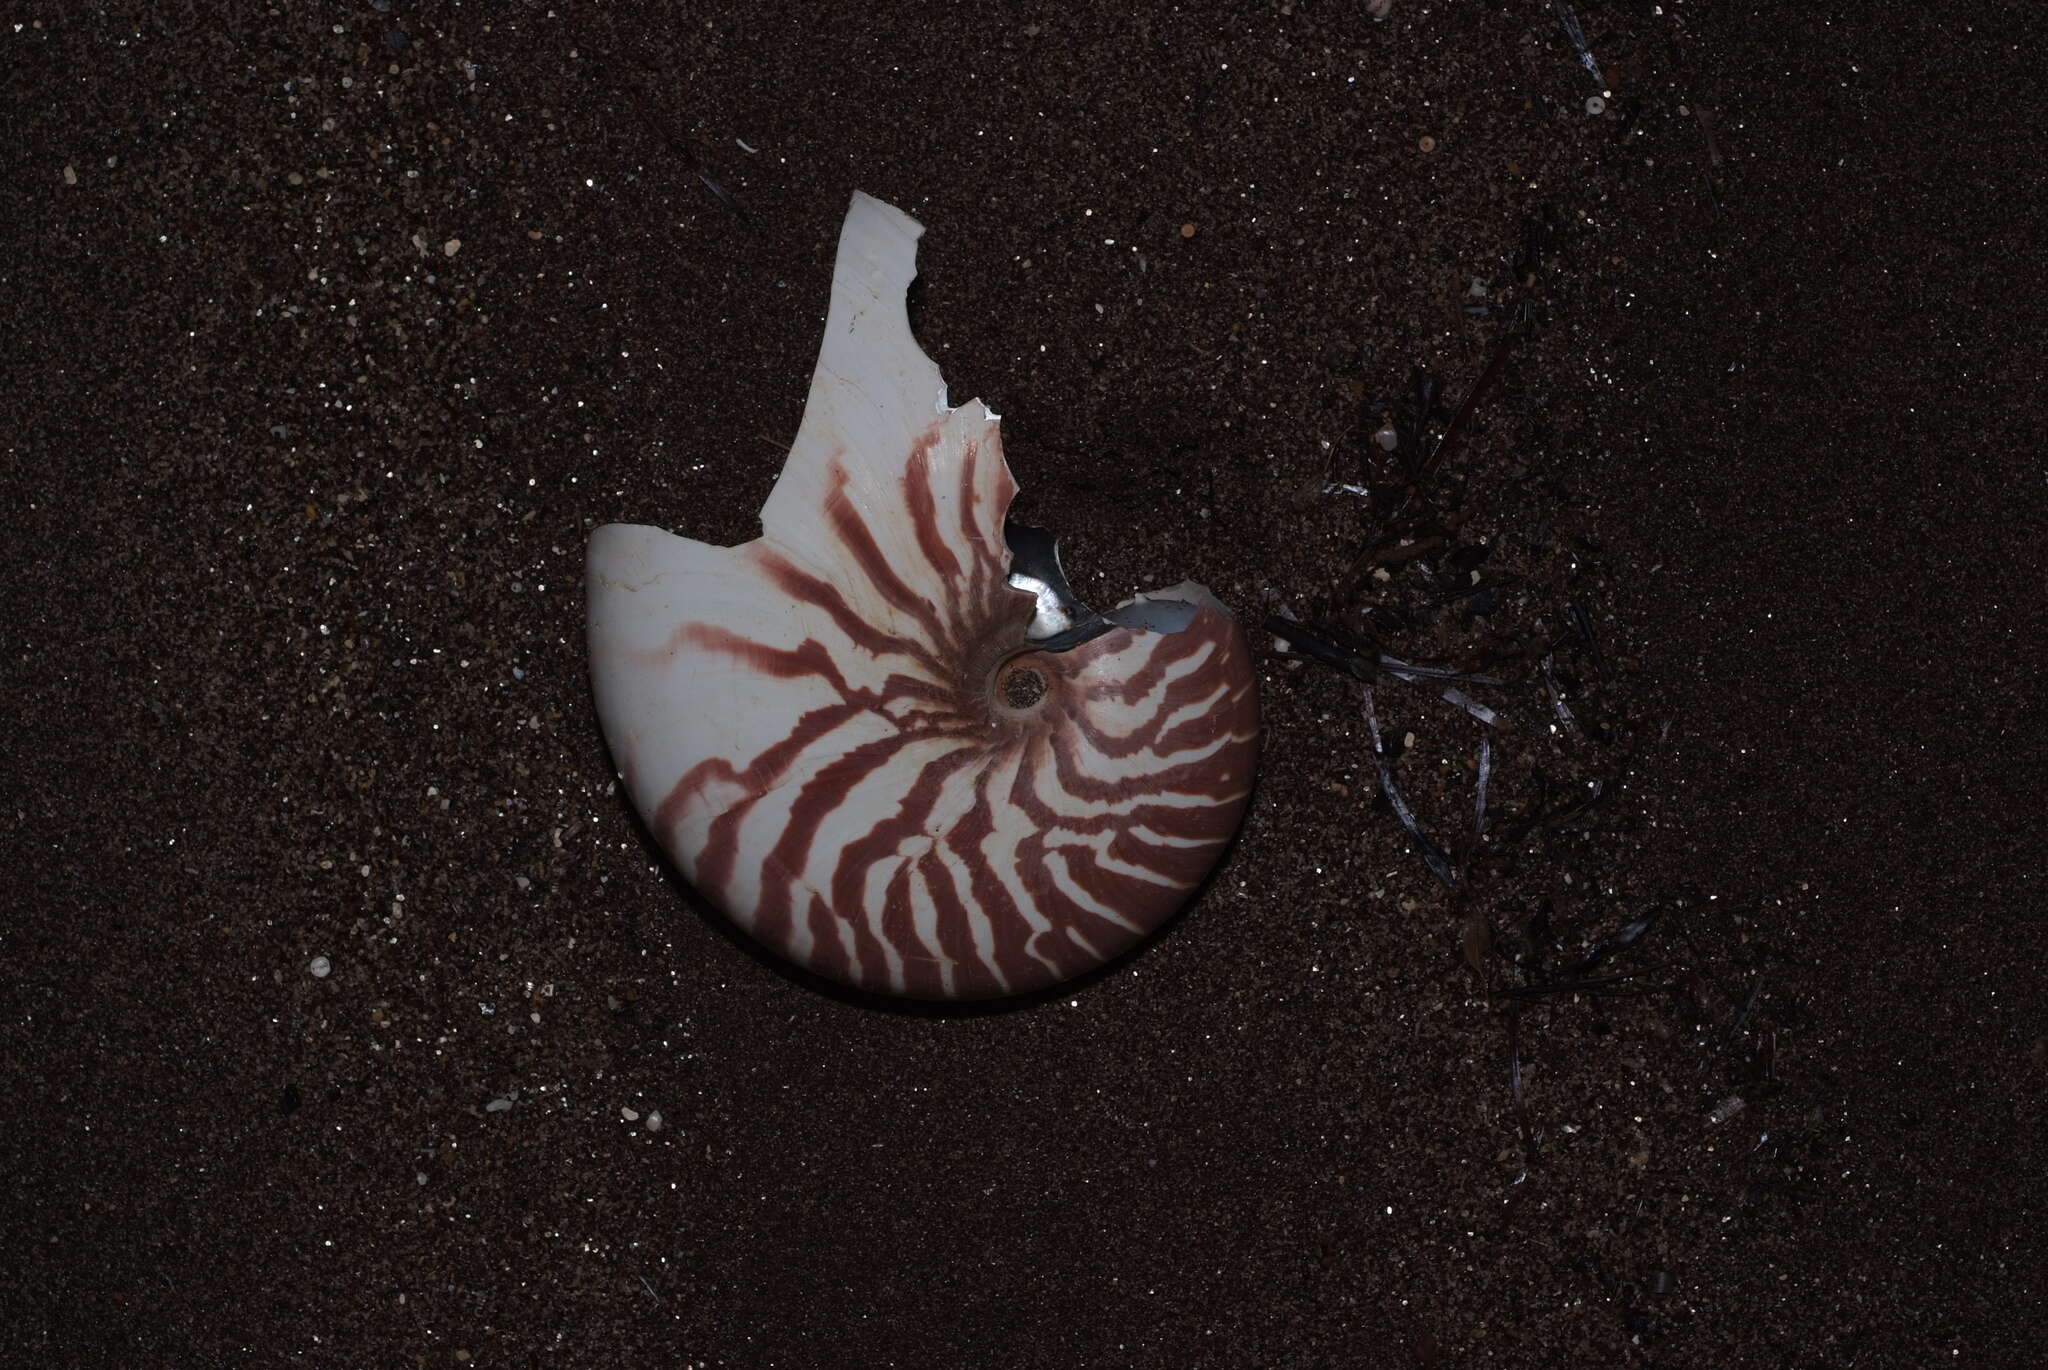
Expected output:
(1582, 628)
(1479, 796)
(1576, 35)
(1586, 985)
(726, 198)
(1621, 941)
(1523, 1124)
(1455, 696)
(1433, 856)
(1557, 704)
(1748, 1006)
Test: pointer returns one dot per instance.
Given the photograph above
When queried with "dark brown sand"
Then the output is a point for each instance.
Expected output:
(332, 332)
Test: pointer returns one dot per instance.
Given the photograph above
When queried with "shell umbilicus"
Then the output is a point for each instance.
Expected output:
(882, 736)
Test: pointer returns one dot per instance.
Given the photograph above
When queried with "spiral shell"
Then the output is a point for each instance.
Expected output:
(845, 732)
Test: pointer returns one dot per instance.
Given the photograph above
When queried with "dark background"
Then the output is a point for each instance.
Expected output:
(296, 492)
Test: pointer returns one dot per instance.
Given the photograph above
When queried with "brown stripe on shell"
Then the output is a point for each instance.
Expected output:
(923, 507)
(855, 535)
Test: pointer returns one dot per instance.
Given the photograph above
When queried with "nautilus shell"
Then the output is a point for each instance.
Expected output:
(884, 737)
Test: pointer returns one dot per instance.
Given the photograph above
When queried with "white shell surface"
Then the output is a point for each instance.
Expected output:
(839, 733)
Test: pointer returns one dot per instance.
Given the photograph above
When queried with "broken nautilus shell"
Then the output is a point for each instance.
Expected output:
(884, 736)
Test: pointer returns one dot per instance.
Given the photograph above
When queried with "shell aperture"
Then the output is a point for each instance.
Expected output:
(847, 736)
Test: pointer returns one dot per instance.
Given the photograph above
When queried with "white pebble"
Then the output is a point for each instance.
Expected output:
(320, 966)
(654, 1122)
(1595, 105)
